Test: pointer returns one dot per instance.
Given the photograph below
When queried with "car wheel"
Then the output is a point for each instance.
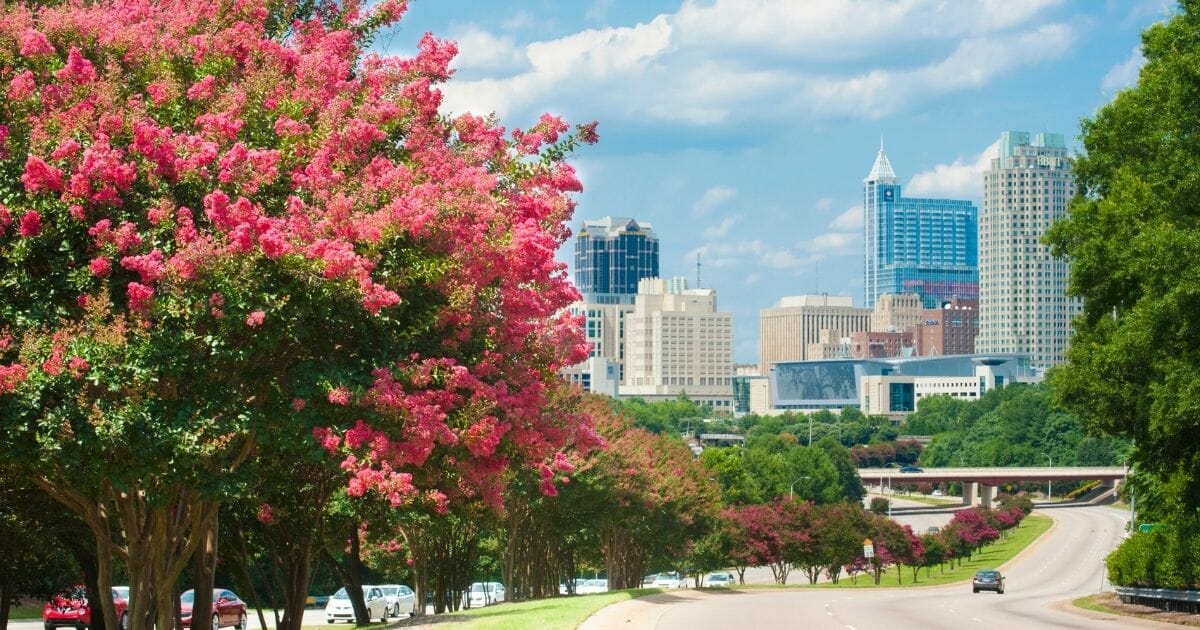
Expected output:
(242, 622)
(974, 590)
(384, 615)
(48, 626)
(124, 622)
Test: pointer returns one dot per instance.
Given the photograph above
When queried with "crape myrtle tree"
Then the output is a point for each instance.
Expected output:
(1133, 238)
(212, 233)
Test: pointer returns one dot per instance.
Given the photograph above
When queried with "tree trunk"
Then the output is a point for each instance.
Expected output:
(5, 605)
(351, 572)
(204, 565)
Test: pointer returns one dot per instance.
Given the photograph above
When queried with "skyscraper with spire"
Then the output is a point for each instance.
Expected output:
(914, 245)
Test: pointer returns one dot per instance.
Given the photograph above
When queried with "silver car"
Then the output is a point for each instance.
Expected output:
(400, 598)
(339, 607)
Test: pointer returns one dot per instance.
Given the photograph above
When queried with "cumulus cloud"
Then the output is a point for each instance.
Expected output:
(961, 179)
(974, 62)
(709, 62)
(1124, 74)
(850, 220)
(720, 230)
(750, 253)
(712, 198)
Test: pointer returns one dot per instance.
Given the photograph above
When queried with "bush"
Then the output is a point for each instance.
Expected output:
(880, 505)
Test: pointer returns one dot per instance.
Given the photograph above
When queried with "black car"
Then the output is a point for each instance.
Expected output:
(988, 580)
(910, 469)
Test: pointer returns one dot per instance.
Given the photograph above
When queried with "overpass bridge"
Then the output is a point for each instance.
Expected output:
(986, 479)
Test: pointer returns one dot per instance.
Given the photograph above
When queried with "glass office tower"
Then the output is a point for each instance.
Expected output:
(612, 255)
(925, 246)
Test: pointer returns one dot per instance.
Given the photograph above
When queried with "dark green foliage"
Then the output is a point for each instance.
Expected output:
(1133, 237)
(1018, 425)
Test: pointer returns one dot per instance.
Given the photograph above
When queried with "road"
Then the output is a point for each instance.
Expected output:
(1064, 564)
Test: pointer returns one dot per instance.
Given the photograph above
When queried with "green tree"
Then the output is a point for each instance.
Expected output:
(1133, 237)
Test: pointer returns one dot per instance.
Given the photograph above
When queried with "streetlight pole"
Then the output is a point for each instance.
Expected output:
(792, 487)
(1049, 482)
(810, 429)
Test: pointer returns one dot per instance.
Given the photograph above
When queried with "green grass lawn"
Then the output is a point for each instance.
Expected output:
(27, 611)
(930, 500)
(1090, 603)
(564, 613)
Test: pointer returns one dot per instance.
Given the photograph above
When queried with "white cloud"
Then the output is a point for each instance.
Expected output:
(479, 50)
(751, 253)
(1124, 74)
(974, 62)
(849, 221)
(719, 231)
(712, 61)
(712, 198)
(959, 179)
(598, 11)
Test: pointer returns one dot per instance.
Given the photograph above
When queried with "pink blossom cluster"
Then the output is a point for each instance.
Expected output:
(321, 163)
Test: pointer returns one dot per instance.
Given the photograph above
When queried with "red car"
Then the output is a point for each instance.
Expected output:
(71, 608)
(228, 609)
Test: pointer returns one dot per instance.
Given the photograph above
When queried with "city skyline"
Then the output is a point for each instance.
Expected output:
(746, 146)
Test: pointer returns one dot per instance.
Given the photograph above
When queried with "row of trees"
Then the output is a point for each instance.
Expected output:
(790, 535)
(262, 305)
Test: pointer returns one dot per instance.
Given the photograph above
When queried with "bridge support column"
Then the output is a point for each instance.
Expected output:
(987, 494)
(969, 492)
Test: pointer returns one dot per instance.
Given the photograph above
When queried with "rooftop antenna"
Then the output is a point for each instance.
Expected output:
(698, 270)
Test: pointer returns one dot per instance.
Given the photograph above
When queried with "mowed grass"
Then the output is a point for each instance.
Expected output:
(564, 613)
(25, 611)
(990, 557)
(1090, 603)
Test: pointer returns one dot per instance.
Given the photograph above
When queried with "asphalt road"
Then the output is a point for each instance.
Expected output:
(1066, 563)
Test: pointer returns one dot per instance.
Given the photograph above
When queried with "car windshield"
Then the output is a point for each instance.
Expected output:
(987, 575)
(121, 591)
(477, 588)
(390, 590)
(340, 594)
(188, 597)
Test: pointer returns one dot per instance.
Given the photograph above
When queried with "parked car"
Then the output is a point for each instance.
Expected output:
(587, 587)
(480, 594)
(719, 579)
(911, 469)
(649, 579)
(71, 608)
(988, 580)
(400, 598)
(339, 607)
(933, 530)
(228, 609)
(316, 601)
(668, 580)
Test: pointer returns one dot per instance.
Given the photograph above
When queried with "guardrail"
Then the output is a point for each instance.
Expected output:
(1162, 598)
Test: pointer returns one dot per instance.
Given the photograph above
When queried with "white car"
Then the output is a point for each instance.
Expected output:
(668, 580)
(481, 594)
(718, 579)
(587, 587)
(339, 607)
(400, 598)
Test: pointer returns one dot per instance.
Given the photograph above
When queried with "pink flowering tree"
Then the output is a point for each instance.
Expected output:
(223, 224)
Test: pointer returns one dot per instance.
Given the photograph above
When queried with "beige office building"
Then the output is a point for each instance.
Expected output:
(677, 342)
(787, 329)
(1023, 303)
(896, 312)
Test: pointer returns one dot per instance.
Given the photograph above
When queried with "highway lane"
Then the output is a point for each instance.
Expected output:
(1066, 563)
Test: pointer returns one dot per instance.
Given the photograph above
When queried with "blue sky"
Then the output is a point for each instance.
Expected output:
(742, 129)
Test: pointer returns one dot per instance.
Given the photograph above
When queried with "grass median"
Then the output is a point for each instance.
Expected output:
(990, 557)
(565, 613)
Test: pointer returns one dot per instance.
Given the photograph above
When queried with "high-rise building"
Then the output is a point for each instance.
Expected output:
(1023, 303)
(915, 245)
(612, 254)
(677, 342)
(788, 329)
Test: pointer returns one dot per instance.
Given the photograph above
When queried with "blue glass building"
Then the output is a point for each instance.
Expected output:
(611, 255)
(925, 246)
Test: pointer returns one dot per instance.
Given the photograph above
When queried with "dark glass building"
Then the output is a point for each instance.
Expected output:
(611, 255)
